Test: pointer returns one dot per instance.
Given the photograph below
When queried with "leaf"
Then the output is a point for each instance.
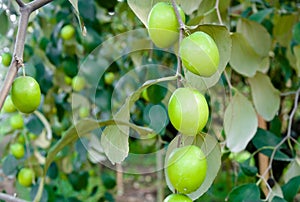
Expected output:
(278, 199)
(4, 23)
(10, 165)
(189, 6)
(221, 36)
(266, 98)
(261, 15)
(81, 23)
(245, 193)
(291, 188)
(256, 35)
(211, 149)
(297, 55)
(276, 193)
(282, 30)
(244, 59)
(296, 32)
(240, 123)
(248, 169)
(265, 138)
(114, 139)
(293, 170)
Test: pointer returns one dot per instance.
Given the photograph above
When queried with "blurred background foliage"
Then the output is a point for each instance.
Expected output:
(76, 174)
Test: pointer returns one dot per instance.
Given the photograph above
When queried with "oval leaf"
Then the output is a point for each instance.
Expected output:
(240, 123)
(297, 55)
(211, 149)
(244, 59)
(247, 192)
(266, 98)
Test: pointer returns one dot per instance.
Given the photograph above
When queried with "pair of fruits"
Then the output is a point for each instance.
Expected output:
(187, 166)
(198, 51)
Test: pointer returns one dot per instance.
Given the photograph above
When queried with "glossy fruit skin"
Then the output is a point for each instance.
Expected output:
(163, 25)
(17, 150)
(16, 121)
(78, 83)
(26, 94)
(200, 54)
(186, 168)
(188, 111)
(177, 198)
(25, 177)
(9, 106)
(6, 59)
(109, 78)
(67, 32)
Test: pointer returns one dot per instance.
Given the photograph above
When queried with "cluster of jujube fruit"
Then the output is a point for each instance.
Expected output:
(187, 108)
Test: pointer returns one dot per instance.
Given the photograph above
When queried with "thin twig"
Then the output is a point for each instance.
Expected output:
(218, 12)
(20, 3)
(10, 198)
(229, 84)
(181, 30)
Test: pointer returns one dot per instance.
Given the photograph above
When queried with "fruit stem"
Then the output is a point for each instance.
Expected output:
(181, 30)
(218, 12)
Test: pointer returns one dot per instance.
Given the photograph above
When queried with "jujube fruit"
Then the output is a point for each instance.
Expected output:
(25, 177)
(177, 198)
(186, 168)
(163, 26)
(200, 54)
(26, 94)
(188, 111)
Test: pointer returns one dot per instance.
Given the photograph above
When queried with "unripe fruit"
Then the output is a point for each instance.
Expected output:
(17, 150)
(186, 168)
(9, 106)
(6, 59)
(83, 112)
(163, 25)
(26, 94)
(200, 54)
(177, 198)
(78, 83)
(67, 32)
(25, 177)
(109, 78)
(16, 121)
(188, 111)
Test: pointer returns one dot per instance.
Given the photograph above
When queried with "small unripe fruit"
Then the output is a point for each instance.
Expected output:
(109, 78)
(9, 106)
(163, 25)
(177, 198)
(16, 121)
(188, 111)
(6, 59)
(26, 94)
(83, 112)
(186, 168)
(17, 150)
(25, 177)
(78, 83)
(200, 54)
(67, 32)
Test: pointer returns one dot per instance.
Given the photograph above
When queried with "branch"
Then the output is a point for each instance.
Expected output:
(218, 12)
(10, 198)
(25, 10)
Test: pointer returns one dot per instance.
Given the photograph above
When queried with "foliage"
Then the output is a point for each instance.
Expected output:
(127, 119)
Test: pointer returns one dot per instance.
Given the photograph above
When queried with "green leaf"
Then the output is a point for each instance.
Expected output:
(266, 98)
(244, 59)
(296, 32)
(245, 193)
(248, 169)
(297, 55)
(256, 35)
(265, 138)
(261, 15)
(10, 165)
(189, 6)
(221, 36)
(211, 149)
(278, 199)
(240, 123)
(291, 188)
(293, 170)
(4, 23)
(81, 23)
(282, 30)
